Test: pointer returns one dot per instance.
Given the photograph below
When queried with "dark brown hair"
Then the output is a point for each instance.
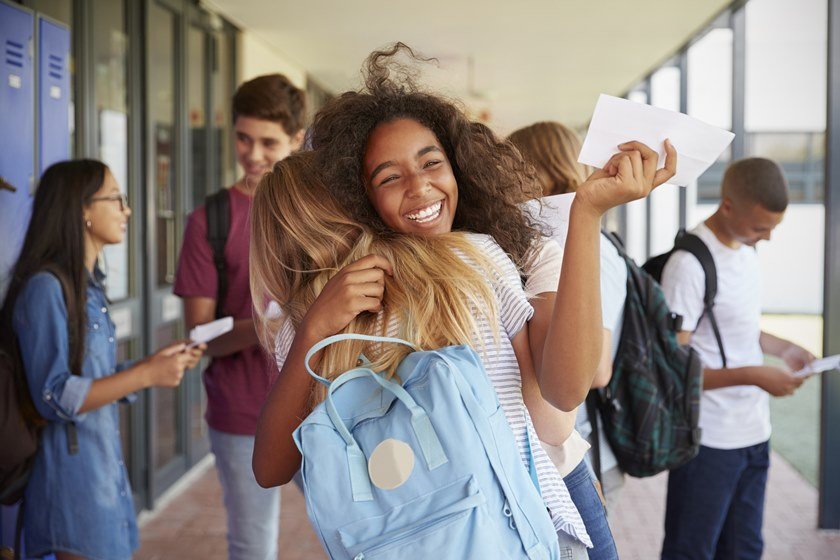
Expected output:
(756, 180)
(55, 243)
(271, 98)
(492, 177)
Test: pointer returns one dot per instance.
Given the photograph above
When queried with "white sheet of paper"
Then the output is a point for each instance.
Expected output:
(553, 213)
(208, 331)
(618, 120)
(820, 365)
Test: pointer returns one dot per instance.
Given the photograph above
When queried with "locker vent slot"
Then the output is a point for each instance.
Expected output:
(56, 66)
(14, 53)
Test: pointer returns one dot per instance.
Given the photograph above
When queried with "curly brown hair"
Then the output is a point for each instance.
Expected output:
(492, 177)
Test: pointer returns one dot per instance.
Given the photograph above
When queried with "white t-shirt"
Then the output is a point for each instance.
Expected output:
(731, 417)
(502, 368)
(613, 290)
(543, 274)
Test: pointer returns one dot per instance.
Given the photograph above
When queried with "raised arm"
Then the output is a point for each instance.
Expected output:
(574, 339)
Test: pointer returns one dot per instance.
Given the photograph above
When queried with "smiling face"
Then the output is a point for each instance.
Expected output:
(107, 216)
(260, 144)
(409, 179)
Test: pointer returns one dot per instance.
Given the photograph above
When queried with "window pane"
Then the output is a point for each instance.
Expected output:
(786, 90)
(223, 87)
(162, 116)
(665, 202)
(710, 78)
(197, 99)
(710, 98)
(110, 60)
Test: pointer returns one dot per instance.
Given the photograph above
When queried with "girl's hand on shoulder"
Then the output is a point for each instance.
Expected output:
(629, 175)
(358, 287)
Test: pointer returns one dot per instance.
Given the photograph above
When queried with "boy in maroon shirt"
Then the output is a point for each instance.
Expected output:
(268, 114)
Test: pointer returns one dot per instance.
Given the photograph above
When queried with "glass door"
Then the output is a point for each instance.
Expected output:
(164, 185)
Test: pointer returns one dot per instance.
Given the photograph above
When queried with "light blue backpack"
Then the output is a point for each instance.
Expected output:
(426, 469)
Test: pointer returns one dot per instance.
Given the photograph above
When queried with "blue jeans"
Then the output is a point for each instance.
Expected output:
(582, 490)
(253, 512)
(716, 504)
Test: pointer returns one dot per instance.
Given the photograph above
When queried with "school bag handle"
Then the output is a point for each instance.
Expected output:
(427, 438)
(318, 346)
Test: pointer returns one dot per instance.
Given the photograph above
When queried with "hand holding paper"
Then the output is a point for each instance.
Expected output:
(205, 333)
(820, 365)
(617, 121)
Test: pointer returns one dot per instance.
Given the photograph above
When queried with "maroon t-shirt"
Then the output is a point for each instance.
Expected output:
(237, 384)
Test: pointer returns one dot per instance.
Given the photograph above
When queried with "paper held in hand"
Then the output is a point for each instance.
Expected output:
(208, 331)
(617, 120)
(819, 366)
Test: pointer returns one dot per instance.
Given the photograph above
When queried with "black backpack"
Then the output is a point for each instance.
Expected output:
(651, 406)
(685, 241)
(217, 206)
(20, 425)
(20, 422)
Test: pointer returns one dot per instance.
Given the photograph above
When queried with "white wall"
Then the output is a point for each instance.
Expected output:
(256, 57)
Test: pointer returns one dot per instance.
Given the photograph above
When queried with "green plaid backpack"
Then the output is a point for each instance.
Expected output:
(651, 406)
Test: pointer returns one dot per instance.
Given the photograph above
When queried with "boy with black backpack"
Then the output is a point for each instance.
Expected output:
(213, 281)
(715, 502)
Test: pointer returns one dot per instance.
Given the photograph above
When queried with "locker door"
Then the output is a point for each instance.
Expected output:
(17, 143)
(53, 92)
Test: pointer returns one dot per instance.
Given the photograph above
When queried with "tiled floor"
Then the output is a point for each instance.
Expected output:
(192, 525)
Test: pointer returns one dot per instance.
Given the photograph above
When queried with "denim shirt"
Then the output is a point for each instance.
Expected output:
(75, 502)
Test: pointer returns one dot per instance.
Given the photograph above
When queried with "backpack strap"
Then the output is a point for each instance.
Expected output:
(694, 245)
(318, 346)
(217, 207)
(592, 404)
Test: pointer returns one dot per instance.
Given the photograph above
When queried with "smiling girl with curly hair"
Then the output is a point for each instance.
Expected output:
(398, 159)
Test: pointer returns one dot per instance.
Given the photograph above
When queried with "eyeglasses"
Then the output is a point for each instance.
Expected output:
(121, 198)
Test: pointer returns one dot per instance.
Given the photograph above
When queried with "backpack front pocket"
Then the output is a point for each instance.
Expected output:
(444, 523)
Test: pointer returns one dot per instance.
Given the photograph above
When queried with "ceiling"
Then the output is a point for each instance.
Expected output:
(519, 62)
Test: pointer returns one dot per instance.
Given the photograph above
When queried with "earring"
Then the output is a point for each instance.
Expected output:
(87, 224)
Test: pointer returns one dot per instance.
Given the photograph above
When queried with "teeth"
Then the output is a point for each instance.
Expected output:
(427, 214)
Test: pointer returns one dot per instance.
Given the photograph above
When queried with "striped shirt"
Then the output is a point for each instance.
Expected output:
(499, 359)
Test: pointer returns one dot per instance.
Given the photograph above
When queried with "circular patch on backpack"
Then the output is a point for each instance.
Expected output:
(391, 464)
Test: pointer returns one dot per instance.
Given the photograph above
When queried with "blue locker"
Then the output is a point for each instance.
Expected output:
(17, 143)
(53, 93)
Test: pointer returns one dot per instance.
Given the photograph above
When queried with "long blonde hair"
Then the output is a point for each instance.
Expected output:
(301, 237)
(553, 150)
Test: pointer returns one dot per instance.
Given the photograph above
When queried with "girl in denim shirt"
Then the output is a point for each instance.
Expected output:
(78, 501)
